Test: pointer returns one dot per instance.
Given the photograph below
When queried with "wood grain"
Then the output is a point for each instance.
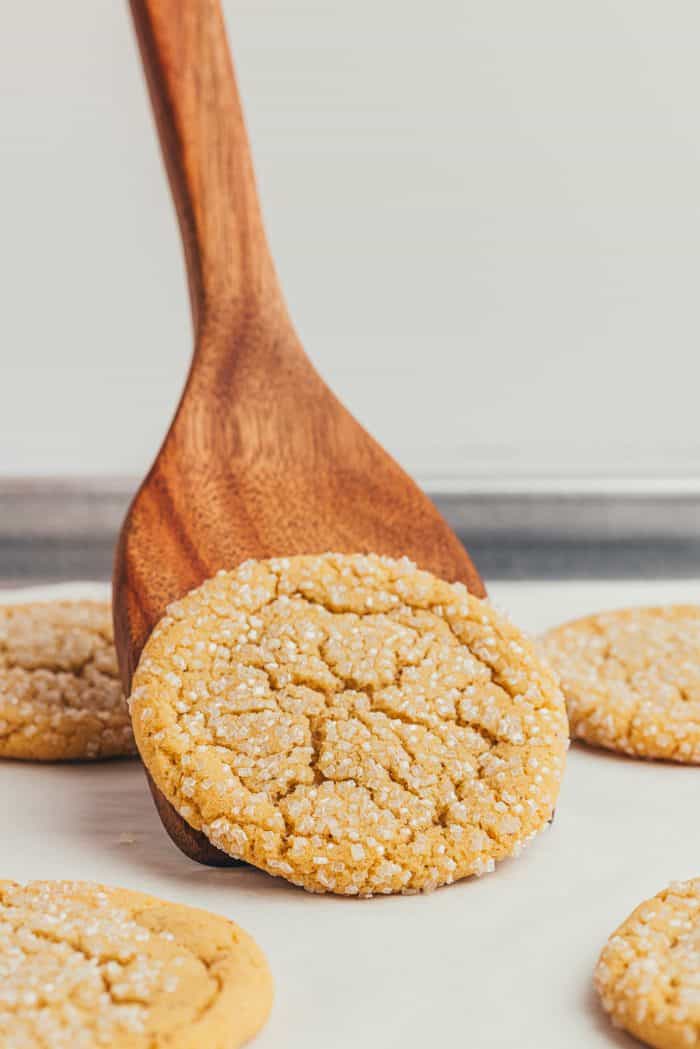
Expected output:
(261, 458)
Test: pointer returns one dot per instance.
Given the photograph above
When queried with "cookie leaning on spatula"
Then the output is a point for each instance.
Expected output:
(350, 723)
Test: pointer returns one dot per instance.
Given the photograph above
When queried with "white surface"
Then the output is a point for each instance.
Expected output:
(490, 207)
(503, 962)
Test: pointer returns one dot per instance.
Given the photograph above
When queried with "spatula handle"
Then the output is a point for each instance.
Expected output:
(205, 145)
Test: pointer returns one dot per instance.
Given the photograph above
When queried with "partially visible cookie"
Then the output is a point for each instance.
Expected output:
(83, 966)
(350, 723)
(648, 975)
(60, 694)
(631, 680)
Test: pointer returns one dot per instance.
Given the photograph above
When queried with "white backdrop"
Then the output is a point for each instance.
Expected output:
(486, 215)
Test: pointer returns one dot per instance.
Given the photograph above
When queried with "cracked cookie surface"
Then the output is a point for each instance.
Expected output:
(350, 723)
(631, 679)
(648, 975)
(83, 966)
(60, 694)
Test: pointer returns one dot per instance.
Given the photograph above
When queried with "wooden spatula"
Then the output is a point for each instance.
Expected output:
(261, 459)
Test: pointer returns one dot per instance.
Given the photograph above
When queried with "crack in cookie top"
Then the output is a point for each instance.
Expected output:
(60, 694)
(648, 975)
(350, 723)
(631, 679)
(83, 966)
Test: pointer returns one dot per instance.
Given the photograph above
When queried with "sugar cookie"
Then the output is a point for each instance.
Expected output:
(648, 975)
(631, 679)
(60, 695)
(83, 966)
(350, 723)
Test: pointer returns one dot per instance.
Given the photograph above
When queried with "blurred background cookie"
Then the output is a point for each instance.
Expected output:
(631, 679)
(648, 975)
(60, 694)
(82, 965)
